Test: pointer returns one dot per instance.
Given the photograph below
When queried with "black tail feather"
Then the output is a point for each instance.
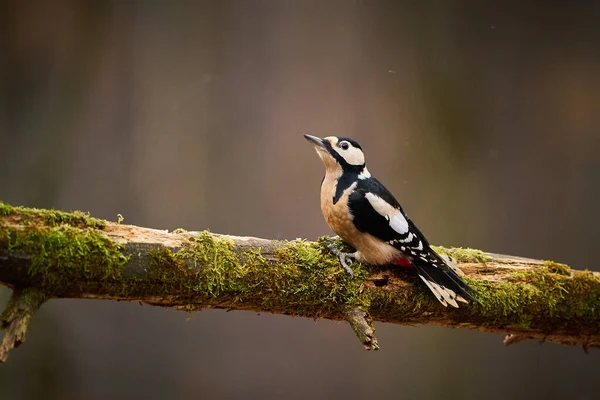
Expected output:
(439, 272)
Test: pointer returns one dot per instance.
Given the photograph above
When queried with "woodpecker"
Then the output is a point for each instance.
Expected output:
(364, 214)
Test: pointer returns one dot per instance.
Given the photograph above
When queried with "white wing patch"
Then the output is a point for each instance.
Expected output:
(392, 214)
(364, 174)
(408, 239)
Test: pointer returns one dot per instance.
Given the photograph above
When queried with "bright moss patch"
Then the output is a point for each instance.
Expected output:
(463, 255)
(305, 279)
(64, 255)
(542, 297)
(52, 217)
(558, 268)
(315, 277)
(65, 248)
(205, 265)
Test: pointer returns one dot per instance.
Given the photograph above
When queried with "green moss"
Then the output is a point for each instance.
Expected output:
(52, 217)
(462, 255)
(64, 254)
(315, 278)
(217, 267)
(541, 297)
(5, 210)
(558, 268)
(301, 277)
(304, 278)
(65, 247)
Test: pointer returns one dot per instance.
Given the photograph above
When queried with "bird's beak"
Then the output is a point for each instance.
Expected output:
(318, 142)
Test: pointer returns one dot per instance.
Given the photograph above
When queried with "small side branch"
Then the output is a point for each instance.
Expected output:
(16, 318)
(362, 325)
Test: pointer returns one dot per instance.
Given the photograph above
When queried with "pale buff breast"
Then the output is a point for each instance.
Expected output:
(338, 217)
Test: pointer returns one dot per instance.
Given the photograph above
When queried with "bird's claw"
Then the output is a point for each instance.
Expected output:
(343, 257)
(345, 265)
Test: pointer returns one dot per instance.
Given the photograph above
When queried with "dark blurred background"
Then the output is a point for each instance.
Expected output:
(482, 117)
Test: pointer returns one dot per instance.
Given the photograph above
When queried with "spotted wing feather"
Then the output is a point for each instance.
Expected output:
(377, 212)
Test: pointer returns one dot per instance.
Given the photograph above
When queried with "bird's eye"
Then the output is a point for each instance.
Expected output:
(344, 145)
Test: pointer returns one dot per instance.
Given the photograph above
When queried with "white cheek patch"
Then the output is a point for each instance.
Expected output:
(394, 216)
(353, 155)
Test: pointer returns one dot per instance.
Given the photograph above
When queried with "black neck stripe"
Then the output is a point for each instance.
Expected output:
(349, 172)
(345, 181)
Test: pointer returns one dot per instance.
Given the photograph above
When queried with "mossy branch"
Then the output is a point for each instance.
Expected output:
(72, 255)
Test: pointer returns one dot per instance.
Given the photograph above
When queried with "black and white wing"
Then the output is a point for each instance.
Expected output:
(377, 212)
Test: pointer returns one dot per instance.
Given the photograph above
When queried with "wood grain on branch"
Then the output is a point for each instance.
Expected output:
(71, 255)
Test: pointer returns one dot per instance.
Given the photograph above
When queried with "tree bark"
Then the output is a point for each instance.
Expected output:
(54, 254)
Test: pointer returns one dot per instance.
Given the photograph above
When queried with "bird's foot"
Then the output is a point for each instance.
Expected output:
(343, 257)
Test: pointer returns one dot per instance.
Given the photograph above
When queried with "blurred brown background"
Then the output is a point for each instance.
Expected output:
(481, 117)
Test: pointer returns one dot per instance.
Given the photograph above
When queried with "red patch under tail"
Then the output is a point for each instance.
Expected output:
(403, 262)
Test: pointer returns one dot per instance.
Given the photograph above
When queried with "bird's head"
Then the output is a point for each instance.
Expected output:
(339, 154)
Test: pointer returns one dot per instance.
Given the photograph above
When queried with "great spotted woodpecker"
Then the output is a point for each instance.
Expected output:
(359, 209)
